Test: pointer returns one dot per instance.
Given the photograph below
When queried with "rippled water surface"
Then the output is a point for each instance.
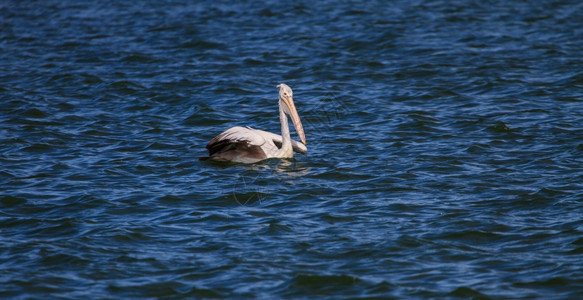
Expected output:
(445, 149)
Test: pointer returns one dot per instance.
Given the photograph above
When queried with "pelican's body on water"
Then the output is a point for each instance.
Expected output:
(248, 145)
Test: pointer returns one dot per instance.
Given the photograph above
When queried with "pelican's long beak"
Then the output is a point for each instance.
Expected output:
(295, 118)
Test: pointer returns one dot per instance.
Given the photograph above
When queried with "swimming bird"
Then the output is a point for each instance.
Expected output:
(248, 145)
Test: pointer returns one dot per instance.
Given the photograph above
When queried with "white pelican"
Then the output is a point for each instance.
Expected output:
(248, 145)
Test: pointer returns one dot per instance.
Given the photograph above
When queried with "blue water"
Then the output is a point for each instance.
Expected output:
(445, 153)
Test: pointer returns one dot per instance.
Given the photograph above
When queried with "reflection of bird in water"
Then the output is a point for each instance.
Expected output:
(247, 145)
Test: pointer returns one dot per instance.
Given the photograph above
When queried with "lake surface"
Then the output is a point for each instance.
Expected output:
(445, 150)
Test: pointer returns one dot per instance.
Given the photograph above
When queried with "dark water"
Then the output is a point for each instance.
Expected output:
(445, 149)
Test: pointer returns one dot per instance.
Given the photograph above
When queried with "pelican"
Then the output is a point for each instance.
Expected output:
(248, 145)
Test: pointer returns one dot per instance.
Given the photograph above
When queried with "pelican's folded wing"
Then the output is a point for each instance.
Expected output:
(234, 135)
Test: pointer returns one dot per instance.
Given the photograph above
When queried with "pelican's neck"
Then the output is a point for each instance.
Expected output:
(286, 149)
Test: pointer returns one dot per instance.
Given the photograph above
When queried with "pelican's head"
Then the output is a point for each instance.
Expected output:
(286, 100)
